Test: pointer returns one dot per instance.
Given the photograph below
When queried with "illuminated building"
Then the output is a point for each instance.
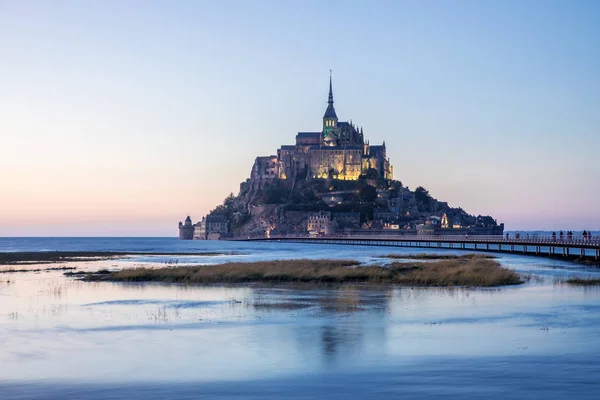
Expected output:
(338, 151)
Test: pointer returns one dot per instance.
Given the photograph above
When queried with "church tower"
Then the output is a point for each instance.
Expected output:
(330, 118)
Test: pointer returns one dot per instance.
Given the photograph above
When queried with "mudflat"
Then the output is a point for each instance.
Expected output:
(47, 257)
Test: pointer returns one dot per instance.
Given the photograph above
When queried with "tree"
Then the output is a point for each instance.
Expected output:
(423, 197)
(273, 194)
(367, 194)
(371, 173)
(395, 186)
(222, 210)
(229, 201)
(238, 219)
(303, 195)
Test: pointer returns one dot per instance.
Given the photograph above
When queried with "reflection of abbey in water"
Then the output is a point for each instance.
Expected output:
(339, 151)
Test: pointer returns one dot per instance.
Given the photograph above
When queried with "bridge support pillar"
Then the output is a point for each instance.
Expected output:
(582, 252)
(512, 248)
(597, 254)
(487, 246)
(524, 248)
(537, 249)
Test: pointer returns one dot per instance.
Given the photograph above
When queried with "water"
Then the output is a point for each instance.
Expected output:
(61, 338)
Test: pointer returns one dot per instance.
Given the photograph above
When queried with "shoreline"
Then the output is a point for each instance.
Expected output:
(50, 257)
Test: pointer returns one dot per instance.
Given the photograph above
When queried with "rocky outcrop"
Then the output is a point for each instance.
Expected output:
(272, 218)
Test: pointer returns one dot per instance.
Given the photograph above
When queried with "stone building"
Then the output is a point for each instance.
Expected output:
(200, 230)
(264, 171)
(211, 227)
(338, 150)
(319, 223)
(382, 214)
(186, 230)
(347, 220)
(216, 225)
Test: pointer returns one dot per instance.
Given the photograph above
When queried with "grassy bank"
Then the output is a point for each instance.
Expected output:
(473, 271)
(583, 281)
(47, 257)
(436, 256)
(15, 270)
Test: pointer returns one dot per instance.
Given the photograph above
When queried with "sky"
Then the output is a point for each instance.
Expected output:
(122, 117)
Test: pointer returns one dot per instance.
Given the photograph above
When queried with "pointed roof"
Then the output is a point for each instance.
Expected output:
(330, 112)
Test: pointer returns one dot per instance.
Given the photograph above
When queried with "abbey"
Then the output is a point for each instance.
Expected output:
(339, 151)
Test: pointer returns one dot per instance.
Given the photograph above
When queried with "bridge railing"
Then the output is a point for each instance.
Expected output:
(497, 239)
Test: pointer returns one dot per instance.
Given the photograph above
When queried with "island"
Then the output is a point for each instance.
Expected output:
(329, 182)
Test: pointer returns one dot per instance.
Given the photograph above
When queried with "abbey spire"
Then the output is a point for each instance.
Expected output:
(330, 100)
(330, 118)
(330, 112)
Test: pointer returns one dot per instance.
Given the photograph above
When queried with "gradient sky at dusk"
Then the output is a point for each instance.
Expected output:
(121, 117)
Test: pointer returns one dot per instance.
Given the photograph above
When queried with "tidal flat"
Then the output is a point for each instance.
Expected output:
(66, 338)
(51, 257)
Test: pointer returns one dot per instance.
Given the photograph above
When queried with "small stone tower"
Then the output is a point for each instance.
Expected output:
(186, 231)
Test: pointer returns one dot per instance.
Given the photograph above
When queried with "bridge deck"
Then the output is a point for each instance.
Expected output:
(588, 248)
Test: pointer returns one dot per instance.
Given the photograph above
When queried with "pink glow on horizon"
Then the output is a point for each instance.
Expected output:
(127, 130)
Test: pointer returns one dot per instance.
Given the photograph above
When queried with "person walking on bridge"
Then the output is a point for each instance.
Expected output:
(561, 235)
(553, 236)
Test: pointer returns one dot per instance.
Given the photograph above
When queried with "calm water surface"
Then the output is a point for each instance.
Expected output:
(61, 338)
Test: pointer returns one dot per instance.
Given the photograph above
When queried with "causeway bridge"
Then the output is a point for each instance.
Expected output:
(549, 246)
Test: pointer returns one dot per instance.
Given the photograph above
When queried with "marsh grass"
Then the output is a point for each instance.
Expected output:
(14, 270)
(279, 305)
(437, 256)
(579, 281)
(471, 271)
